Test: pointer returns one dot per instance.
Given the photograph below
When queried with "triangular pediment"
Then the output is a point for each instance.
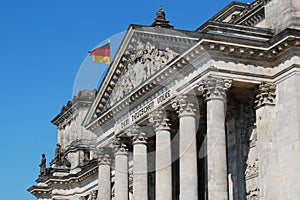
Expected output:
(143, 52)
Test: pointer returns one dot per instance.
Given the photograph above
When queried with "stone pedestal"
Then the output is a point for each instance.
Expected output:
(187, 149)
(104, 180)
(214, 92)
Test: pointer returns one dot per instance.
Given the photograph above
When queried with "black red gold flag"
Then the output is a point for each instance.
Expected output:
(101, 54)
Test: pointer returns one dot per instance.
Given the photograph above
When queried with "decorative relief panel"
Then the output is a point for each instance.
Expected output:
(249, 141)
(265, 95)
(142, 60)
(92, 195)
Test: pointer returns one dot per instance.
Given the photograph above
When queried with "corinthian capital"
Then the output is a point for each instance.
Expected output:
(103, 155)
(137, 135)
(159, 120)
(266, 94)
(119, 146)
(214, 88)
(184, 105)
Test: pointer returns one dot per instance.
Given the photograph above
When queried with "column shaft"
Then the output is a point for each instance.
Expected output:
(216, 150)
(163, 162)
(104, 182)
(121, 176)
(188, 158)
(140, 175)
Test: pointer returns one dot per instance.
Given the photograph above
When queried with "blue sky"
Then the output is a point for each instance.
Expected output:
(42, 46)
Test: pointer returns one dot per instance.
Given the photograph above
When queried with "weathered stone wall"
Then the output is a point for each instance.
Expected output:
(281, 14)
(287, 130)
(74, 131)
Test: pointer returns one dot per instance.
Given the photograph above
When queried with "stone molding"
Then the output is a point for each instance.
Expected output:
(265, 95)
(159, 120)
(184, 106)
(214, 88)
(251, 15)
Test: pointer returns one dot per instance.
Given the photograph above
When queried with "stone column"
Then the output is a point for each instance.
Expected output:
(140, 172)
(163, 176)
(121, 170)
(104, 180)
(267, 162)
(188, 176)
(214, 92)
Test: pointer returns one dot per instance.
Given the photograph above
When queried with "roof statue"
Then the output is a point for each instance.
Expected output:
(43, 165)
(160, 20)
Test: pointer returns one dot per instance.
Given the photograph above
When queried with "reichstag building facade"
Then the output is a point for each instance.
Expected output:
(210, 114)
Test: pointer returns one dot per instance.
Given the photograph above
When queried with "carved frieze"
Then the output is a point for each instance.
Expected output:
(212, 87)
(141, 61)
(266, 95)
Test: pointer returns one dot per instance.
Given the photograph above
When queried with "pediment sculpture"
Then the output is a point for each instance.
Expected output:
(142, 60)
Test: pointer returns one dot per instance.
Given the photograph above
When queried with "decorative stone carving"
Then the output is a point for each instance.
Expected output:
(253, 191)
(103, 155)
(93, 195)
(105, 160)
(119, 146)
(251, 169)
(137, 135)
(184, 105)
(159, 120)
(266, 95)
(130, 180)
(142, 60)
(214, 88)
(253, 138)
(160, 20)
(61, 159)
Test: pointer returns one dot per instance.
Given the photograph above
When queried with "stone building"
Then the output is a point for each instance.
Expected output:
(207, 114)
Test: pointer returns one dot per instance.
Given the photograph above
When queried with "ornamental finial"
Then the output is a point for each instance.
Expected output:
(160, 20)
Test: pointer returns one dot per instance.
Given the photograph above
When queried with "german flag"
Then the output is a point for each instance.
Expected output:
(101, 54)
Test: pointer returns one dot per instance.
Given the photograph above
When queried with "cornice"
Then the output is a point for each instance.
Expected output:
(86, 172)
(68, 112)
(251, 15)
(40, 190)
